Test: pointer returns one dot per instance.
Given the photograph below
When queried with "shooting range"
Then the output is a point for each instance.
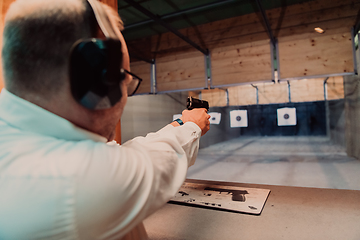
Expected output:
(281, 78)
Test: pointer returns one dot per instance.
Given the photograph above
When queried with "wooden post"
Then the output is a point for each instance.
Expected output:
(4, 6)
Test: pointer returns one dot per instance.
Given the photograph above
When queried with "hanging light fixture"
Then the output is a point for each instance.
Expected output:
(319, 30)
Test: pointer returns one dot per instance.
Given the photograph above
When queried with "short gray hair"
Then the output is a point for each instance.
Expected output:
(38, 36)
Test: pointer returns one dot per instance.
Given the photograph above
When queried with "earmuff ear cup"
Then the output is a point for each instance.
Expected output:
(95, 74)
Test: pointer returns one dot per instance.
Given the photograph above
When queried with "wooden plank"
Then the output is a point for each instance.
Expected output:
(234, 64)
(273, 93)
(239, 53)
(4, 6)
(206, 38)
(246, 40)
(179, 85)
(215, 97)
(307, 90)
(260, 64)
(307, 31)
(258, 34)
(251, 32)
(239, 26)
(293, 15)
(143, 70)
(311, 16)
(240, 78)
(309, 6)
(242, 95)
(335, 88)
(179, 57)
(326, 54)
(194, 94)
(181, 71)
(232, 48)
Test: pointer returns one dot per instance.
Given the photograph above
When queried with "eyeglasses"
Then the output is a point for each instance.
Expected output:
(134, 84)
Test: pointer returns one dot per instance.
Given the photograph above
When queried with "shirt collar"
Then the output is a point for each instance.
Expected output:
(27, 116)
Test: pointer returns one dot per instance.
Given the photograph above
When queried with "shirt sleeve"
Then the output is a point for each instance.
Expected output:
(122, 185)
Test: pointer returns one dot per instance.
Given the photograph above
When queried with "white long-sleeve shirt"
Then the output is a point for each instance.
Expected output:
(58, 181)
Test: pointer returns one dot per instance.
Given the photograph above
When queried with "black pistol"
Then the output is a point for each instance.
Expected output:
(196, 103)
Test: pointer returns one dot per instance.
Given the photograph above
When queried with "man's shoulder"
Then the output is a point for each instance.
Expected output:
(32, 154)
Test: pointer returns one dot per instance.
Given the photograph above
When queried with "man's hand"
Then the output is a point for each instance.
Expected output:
(198, 116)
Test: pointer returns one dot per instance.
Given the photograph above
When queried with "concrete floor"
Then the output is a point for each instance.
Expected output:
(288, 161)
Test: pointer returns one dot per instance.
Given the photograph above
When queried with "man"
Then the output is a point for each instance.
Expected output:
(59, 178)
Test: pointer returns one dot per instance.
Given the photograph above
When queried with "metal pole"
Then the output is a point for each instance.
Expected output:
(272, 56)
(277, 61)
(208, 78)
(325, 88)
(327, 110)
(227, 97)
(354, 49)
(268, 28)
(153, 77)
(289, 91)
(257, 93)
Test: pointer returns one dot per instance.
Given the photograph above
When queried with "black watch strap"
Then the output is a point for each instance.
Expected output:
(179, 121)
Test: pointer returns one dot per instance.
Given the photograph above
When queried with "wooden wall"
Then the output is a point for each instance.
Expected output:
(216, 97)
(304, 52)
(240, 49)
(239, 63)
(143, 70)
(242, 95)
(305, 90)
(335, 88)
(180, 71)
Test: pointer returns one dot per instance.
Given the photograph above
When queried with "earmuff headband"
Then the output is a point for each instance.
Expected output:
(102, 19)
(95, 66)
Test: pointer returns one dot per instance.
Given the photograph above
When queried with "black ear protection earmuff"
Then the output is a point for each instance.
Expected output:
(95, 66)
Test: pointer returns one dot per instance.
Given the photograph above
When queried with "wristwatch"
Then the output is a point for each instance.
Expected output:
(179, 121)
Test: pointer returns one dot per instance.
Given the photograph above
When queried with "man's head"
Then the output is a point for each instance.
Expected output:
(38, 36)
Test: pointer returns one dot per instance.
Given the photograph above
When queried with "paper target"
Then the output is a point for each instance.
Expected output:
(215, 117)
(238, 118)
(286, 116)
